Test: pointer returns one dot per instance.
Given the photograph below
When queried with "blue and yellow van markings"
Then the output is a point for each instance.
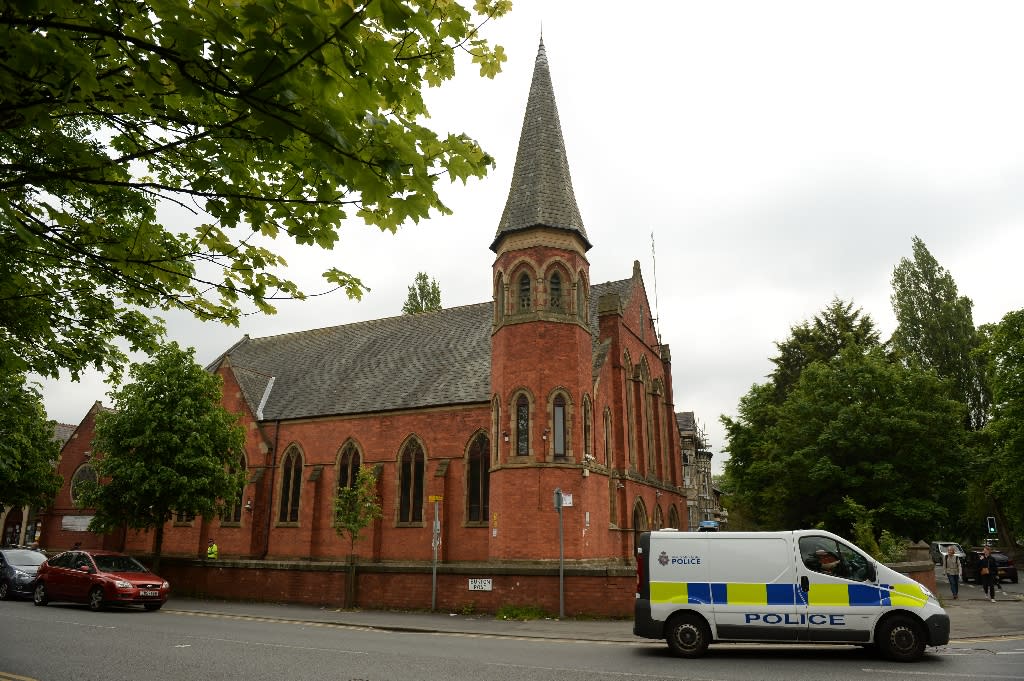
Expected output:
(820, 595)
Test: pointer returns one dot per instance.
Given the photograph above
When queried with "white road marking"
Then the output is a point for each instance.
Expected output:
(933, 675)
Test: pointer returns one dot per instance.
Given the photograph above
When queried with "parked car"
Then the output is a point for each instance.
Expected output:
(1007, 570)
(18, 569)
(99, 578)
(938, 550)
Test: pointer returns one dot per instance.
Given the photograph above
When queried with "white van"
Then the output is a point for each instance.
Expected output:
(805, 586)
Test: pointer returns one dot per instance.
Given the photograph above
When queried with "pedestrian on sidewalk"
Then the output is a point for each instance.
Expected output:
(951, 566)
(989, 571)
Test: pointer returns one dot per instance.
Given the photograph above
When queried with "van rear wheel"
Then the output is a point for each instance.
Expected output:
(688, 635)
(900, 638)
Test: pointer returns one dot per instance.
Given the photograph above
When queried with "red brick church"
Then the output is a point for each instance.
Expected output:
(479, 411)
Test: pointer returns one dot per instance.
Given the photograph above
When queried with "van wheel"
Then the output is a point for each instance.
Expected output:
(900, 638)
(688, 635)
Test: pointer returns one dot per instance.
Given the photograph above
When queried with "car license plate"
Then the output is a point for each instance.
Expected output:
(149, 593)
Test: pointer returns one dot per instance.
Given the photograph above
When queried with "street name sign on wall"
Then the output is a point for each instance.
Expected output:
(75, 523)
(480, 585)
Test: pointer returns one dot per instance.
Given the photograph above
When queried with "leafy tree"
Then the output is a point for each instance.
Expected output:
(168, 447)
(885, 436)
(28, 449)
(935, 329)
(838, 326)
(424, 296)
(756, 470)
(355, 508)
(1000, 453)
(264, 118)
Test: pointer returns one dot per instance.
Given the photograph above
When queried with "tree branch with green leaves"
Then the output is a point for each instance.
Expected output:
(268, 119)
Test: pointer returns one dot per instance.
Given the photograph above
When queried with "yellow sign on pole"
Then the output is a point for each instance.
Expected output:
(435, 497)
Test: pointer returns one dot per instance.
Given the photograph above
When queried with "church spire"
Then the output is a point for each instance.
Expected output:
(541, 194)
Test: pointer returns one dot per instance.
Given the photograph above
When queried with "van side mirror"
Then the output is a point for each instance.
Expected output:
(872, 572)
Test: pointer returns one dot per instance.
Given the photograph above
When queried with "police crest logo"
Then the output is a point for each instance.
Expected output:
(663, 558)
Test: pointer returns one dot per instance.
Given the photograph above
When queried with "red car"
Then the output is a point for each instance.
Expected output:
(99, 578)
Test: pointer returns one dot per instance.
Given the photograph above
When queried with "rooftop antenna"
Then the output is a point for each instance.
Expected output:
(657, 310)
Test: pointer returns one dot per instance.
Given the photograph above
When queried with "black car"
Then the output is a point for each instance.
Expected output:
(18, 569)
(1007, 570)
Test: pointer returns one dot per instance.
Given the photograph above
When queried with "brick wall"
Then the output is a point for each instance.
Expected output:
(596, 591)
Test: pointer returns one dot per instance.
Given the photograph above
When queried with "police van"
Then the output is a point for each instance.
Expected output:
(805, 586)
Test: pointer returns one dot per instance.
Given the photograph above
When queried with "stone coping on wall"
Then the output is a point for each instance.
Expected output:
(575, 569)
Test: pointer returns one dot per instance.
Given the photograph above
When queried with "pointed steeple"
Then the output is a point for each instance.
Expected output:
(541, 194)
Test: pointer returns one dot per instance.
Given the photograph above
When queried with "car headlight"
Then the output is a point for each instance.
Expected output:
(22, 577)
(166, 585)
(121, 584)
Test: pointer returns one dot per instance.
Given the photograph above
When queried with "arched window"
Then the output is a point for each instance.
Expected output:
(85, 473)
(581, 300)
(588, 430)
(348, 466)
(673, 517)
(496, 427)
(525, 294)
(558, 422)
(555, 292)
(233, 513)
(478, 480)
(411, 464)
(291, 486)
(522, 426)
(639, 520)
(499, 299)
(607, 437)
(658, 522)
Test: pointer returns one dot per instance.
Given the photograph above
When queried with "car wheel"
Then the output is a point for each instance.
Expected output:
(688, 635)
(39, 596)
(152, 606)
(900, 638)
(96, 599)
(5, 591)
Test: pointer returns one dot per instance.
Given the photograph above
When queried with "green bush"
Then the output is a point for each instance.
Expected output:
(892, 549)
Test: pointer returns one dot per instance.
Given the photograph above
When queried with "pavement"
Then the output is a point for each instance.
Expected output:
(971, 617)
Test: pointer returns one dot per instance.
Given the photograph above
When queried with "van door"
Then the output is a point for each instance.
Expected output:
(840, 603)
(754, 589)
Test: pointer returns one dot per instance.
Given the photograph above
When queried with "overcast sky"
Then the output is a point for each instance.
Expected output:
(781, 153)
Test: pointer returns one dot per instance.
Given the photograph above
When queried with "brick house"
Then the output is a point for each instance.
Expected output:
(481, 411)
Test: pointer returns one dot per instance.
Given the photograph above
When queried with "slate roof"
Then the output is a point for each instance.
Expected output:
(62, 432)
(432, 359)
(541, 192)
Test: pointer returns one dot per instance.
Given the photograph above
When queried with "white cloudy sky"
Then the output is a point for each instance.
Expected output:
(782, 153)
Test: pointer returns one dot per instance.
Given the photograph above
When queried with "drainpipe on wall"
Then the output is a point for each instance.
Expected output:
(270, 496)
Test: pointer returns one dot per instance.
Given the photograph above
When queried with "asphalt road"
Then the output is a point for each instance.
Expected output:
(70, 643)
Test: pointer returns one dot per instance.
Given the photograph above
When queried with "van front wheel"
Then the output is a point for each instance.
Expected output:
(900, 638)
(688, 635)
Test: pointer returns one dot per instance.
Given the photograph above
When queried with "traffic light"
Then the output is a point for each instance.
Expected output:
(991, 524)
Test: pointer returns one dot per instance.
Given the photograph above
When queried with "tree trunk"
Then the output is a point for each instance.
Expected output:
(350, 582)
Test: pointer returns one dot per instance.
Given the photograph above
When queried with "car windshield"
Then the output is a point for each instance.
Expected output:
(118, 564)
(23, 557)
